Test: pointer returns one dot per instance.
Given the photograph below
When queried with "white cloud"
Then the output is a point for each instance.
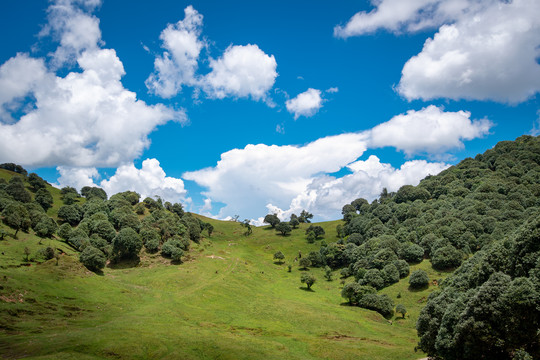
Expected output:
(332, 90)
(85, 119)
(429, 130)
(259, 174)
(305, 104)
(408, 16)
(149, 181)
(178, 64)
(73, 27)
(76, 177)
(287, 179)
(487, 55)
(326, 195)
(242, 71)
(18, 76)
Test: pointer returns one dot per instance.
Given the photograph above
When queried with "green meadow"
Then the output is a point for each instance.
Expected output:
(228, 300)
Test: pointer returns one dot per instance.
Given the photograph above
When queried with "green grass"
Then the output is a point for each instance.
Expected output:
(228, 301)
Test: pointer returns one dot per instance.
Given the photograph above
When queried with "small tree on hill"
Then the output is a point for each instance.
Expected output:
(247, 224)
(93, 258)
(328, 273)
(294, 222)
(284, 228)
(279, 256)
(419, 279)
(305, 217)
(307, 279)
(126, 244)
(400, 309)
(304, 263)
(272, 219)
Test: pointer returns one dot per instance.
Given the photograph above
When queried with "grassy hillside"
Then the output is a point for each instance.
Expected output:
(229, 301)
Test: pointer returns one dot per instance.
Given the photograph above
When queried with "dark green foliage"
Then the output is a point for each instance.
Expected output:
(283, 228)
(411, 193)
(71, 214)
(294, 222)
(46, 227)
(69, 190)
(315, 229)
(193, 227)
(373, 277)
(104, 229)
(305, 217)
(304, 263)
(380, 303)
(328, 273)
(176, 208)
(17, 191)
(402, 267)
(44, 198)
(446, 257)
(90, 192)
(419, 279)
(412, 253)
(126, 244)
(390, 274)
(152, 204)
(36, 182)
(93, 258)
(14, 167)
(272, 219)
(400, 309)
(279, 257)
(16, 216)
(247, 224)
(307, 279)
(315, 258)
(173, 248)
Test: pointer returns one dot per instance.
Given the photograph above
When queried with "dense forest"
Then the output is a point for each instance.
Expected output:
(480, 217)
(102, 229)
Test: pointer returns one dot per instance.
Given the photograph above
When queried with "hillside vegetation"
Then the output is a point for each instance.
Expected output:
(87, 276)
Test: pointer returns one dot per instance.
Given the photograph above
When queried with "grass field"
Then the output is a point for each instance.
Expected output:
(229, 300)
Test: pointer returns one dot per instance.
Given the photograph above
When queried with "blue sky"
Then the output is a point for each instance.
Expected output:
(244, 108)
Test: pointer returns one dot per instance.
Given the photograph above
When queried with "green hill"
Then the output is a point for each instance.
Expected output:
(223, 295)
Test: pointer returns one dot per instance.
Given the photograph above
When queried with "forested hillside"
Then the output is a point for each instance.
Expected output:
(482, 217)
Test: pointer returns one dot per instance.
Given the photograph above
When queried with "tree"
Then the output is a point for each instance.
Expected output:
(304, 263)
(284, 228)
(46, 227)
(272, 219)
(349, 291)
(400, 309)
(44, 198)
(305, 217)
(17, 217)
(93, 258)
(91, 191)
(446, 257)
(36, 182)
(328, 273)
(279, 257)
(294, 222)
(16, 189)
(412, 253)
(419, 279)
(70, 214)
(317, 230)
(307, 279)
(247, 224)
(373, 278)
(173, 249)
(126, 244)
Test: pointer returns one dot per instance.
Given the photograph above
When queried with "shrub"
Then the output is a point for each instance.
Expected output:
(93, 258)
(446, 257)
(419, 279)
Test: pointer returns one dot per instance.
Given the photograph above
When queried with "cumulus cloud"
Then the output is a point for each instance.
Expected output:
(179, 62)
(429, 130)
(326, 195)
(84, 119)
(305, 104)
(487, 55)
(259, 174)
(149, 181)
(242, 71)
(76, 177)
(290, 178)
(73, 27)
(483, 50)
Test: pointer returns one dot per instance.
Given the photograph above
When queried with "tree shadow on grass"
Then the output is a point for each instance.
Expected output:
(415, 290)
(124, 263)
(306, 289)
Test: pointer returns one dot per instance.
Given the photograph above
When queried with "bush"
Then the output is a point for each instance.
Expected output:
(373, 277)
(380, 303)
(446, 257)
(412, 253)
(419, 279)
(126, 244)
(307, 279)
(93, 258)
